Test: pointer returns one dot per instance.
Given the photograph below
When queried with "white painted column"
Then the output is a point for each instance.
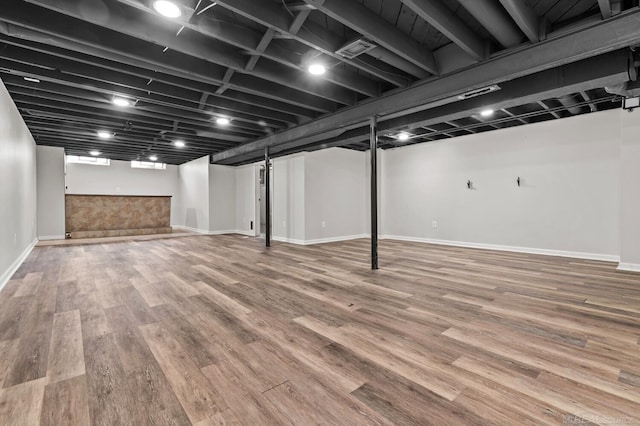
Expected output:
(630, 191)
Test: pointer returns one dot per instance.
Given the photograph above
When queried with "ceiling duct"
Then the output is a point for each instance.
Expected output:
(355, 48)
(478, 92)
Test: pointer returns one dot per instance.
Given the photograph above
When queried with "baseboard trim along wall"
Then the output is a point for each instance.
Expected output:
(320, 240)
(51, 237)
(4, 278)
(629, 267)
(528, 250)
(207, 232)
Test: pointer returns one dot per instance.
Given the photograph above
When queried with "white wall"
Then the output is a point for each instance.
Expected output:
(222, 198)
(336, 192)
(121, 179)
(630, 194)
(17, 188)
(50, 190)
(246, 198)
(193, 209)
(288, 198)
(569, 199)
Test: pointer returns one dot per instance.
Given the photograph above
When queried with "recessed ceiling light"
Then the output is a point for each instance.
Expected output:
(223, 121)
(486, 113)
(262, 123)
(94, 153)
(167, 8)
(104, 134)
(403, 136)
(317, 69)
(179, 144)
(121, 102)
(31, 79)
(153, 158)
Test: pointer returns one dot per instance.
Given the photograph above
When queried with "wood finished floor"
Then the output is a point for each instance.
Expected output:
(216, 330)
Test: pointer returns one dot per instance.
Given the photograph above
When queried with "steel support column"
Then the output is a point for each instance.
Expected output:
(267, 195)
(374, 192)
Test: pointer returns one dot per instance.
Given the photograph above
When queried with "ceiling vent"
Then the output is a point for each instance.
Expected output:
(355, 48)
(479, 92)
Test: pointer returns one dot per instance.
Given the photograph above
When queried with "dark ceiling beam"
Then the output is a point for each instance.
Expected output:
(299, 20)
(510, 114)
(437, 14)
(314, 36)
(225, 81)
(495, 20)
(363, 20)
(125, 75)
(120, 19)
(143, 98)
(262, 45)
(256, 45)
(549, 109)
(618, 32)
(86, 99)
(103, 43)
(605, 8)
(35, 103)
(525, 17)
(592, 106)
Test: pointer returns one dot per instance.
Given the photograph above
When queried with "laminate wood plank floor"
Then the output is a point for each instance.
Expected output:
(210, 330)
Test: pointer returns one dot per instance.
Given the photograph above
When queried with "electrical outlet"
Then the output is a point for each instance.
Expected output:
(434, 224)
(15, 238)
(324, 224)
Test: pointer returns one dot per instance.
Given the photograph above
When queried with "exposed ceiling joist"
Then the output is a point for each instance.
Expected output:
(437, 14)
(525, 17)
(618, 32)
(494, 19)
(374, 27)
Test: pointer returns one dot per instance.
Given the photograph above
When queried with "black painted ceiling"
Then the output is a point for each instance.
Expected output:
(246, 60)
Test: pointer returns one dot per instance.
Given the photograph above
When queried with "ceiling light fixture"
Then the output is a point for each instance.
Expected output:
(153, 158)
(404, 136)
(486, 113)
(103, 134)
(317, 69)
(167, 9)
(223, 121)
(94, 153)
(179, 144)
(262, 123)
(31, 79)
(121, 102)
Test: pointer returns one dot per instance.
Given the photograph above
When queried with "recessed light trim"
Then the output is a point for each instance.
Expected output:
(487, 112)
(103, 134)
(153, 158)
(403, 136)
(223, 121)
(94, 153)
(122, 102)
(179, 144)
(317, 69)
(31, 79)
(167, 9)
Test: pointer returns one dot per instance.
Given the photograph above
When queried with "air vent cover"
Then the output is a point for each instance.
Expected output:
(355, 48)
(479, 92)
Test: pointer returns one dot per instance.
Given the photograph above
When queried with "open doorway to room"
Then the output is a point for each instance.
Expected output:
(262, 197)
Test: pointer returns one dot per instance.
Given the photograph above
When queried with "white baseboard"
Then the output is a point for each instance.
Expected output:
(320, 240)
(528, 250)
(6, 276)
(51, 237)
(630, 267)
(207, 232)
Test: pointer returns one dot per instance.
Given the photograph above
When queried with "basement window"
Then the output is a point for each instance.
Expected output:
(148, 165)
(96, 161)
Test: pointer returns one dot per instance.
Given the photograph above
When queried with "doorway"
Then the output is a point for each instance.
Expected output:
(262, 197)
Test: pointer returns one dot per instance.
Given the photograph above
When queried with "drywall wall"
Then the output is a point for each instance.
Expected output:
(121, 179)
(568, 200)
(288, 198)
(630, 196)
(336, 194)
(18, 202)
(222, 199)
(246, 198)
(50, 190)
(193, 208)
